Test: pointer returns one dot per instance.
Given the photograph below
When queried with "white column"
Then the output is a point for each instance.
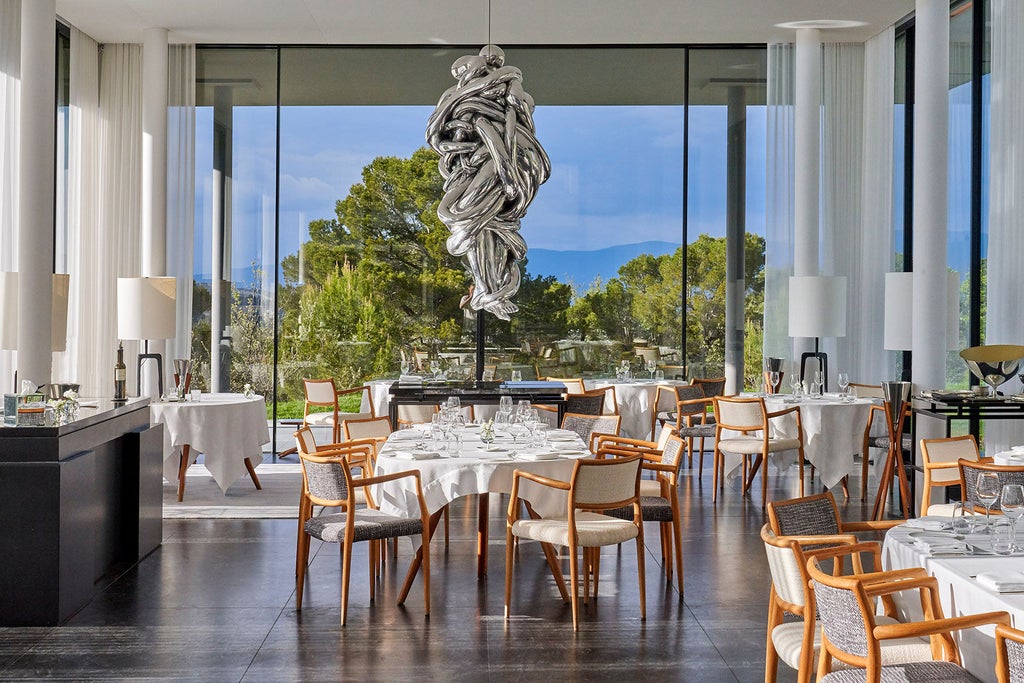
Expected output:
(153, 240)
(735, 239)
(806, 161)
(36, 187)
(806, 150)
(931, 134)
(154, 152)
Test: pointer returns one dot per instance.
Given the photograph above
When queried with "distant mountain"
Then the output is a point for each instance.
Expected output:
(582, 267)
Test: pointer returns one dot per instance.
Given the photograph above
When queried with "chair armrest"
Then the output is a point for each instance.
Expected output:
(626, 441)
(845, 539)
(938, 626)
(784, 411)
(539, 479)
(380, 479)
(596, 438)
(544, 407)
(870, 525)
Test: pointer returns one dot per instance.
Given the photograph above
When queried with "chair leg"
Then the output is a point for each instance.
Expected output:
(714, 475)
(346, 571)
(252, 474)
(186, 452)
(574, 579)
(426, 575)
(677, 543)
(800, 467)
(587, 566)
(509, 549)
(596, 564)
(373, 549)
(640, 572)
(771, 657)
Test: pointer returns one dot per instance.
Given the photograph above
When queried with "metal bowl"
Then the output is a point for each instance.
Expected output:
(56, 391)
(995, 363)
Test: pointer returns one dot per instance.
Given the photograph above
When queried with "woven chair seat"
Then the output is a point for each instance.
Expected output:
(884, 441)
(370, 525)
(705, 431)
(933, 672)
(652, 509)
(670, 416)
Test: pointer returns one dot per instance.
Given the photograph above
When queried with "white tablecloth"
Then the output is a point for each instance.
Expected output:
(379, 395)
(634, 401)
(226, 428)
(960, 594)
(445, 479)
(833, 432)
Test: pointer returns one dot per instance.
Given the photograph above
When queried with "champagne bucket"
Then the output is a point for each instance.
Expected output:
(182, 367)
(896, 395)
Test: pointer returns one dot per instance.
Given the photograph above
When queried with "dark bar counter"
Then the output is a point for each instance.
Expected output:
(79, 503)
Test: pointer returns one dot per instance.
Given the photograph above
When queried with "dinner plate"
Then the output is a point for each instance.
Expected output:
(563, 437)
(930, 523)
(931, 536)
(538, 456)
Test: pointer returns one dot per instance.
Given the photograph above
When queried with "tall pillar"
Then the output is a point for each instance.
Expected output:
(219, 291)
(806, 150)
(154, 176)
(806, 161)
(154, 152)
(36, 189)
(735, 238)
(931, 134)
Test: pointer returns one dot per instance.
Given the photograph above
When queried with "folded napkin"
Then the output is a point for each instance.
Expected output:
(930, 523)
(941, 546)
(1007, 581)
(562, 432)
(410, 379)
(543, 455)
(417, 455)
(89, 404)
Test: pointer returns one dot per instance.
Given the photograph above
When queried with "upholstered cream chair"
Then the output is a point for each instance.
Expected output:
(1009, 654)
(595, 486)
(939, 459)
(747, 415)
(591, 427)
(327, 480)
(322, 405)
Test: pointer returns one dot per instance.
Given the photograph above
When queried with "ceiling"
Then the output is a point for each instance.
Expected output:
(465, 22)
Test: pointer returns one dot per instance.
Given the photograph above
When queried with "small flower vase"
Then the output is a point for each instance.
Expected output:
(487, 434)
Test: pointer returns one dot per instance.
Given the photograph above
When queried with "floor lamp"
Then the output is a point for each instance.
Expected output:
(817, 308)
(145, 311)
(9, 314)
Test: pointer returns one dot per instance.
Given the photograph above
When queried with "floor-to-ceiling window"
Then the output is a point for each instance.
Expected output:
(319, 253)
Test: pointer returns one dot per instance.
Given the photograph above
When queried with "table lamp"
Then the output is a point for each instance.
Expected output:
(146, 310)
(817, 308)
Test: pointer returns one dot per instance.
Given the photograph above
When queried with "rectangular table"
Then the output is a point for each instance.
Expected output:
(959, 592)
(475, 392)
(476, 471)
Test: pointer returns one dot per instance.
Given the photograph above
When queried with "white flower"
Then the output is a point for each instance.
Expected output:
(71, 395)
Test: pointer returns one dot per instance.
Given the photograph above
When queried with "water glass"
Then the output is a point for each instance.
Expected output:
(505, 404)
(659, 375)
(1011, 502)
(455, 443)
(517, 376)
(196, 394)
(963, 518)
(1002, 536)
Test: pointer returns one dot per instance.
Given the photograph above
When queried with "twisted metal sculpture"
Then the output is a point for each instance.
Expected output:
(492, 166)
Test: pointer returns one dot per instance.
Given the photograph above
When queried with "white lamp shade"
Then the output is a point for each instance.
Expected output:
(9, 311)
(817, 306)
(899, 314)
(145, 307)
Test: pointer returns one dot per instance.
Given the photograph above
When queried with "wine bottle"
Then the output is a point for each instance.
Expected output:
(120, 375)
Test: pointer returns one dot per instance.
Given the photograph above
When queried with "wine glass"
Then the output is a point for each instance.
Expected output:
(1011, 501)
(517, 375)
(505, 404)
(844, 383)
(988, 493)
(518, 430)
(652, 365)
(796, 385)
(774, 378)
(454, 403)
(819, 382)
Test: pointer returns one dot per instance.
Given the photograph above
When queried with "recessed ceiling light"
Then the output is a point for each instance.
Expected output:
(823, 24)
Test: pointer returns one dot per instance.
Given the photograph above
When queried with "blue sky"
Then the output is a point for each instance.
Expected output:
(616, 171)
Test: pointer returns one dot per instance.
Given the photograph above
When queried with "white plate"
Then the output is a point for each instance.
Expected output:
(931, 536)
(562, 438)
(538, 456)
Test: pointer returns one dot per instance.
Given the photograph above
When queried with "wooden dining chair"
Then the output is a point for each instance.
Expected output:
(327, 480)
(940, 460)
(595, 486)
(969, 471)
(1009, 654)
(852, 633)
(591, 427)
(661, 505)
(751, 422)
(377, 429)
(711, 386)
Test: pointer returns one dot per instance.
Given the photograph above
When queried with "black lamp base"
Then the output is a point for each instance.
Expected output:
(822, 359)
(159, 372)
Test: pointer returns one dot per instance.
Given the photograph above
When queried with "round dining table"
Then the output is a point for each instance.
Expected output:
(228, 429)
(634, 401)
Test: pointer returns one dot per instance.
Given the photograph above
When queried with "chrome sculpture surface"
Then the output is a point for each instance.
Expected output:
(492, 166)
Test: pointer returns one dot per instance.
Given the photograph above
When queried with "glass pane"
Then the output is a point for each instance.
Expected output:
(727, 129)
(233, 295)
(960, 127)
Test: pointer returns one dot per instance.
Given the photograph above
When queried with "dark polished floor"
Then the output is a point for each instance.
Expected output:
(217, 603)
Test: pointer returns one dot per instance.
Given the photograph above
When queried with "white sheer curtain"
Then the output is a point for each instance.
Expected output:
(842, 152)
(1005, 308)
(779, 201)
(869, 361)
(181, 123)
(86, 237)
(10, 89)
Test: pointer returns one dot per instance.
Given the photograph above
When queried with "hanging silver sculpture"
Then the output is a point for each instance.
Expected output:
(492, 166)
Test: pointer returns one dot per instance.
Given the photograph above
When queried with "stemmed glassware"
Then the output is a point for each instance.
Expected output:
(505, 404)
(652, 365)
(988, 493)
(1011, 502)
(819, 383)
(774, 378)
(844, 383)
(796, 385)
